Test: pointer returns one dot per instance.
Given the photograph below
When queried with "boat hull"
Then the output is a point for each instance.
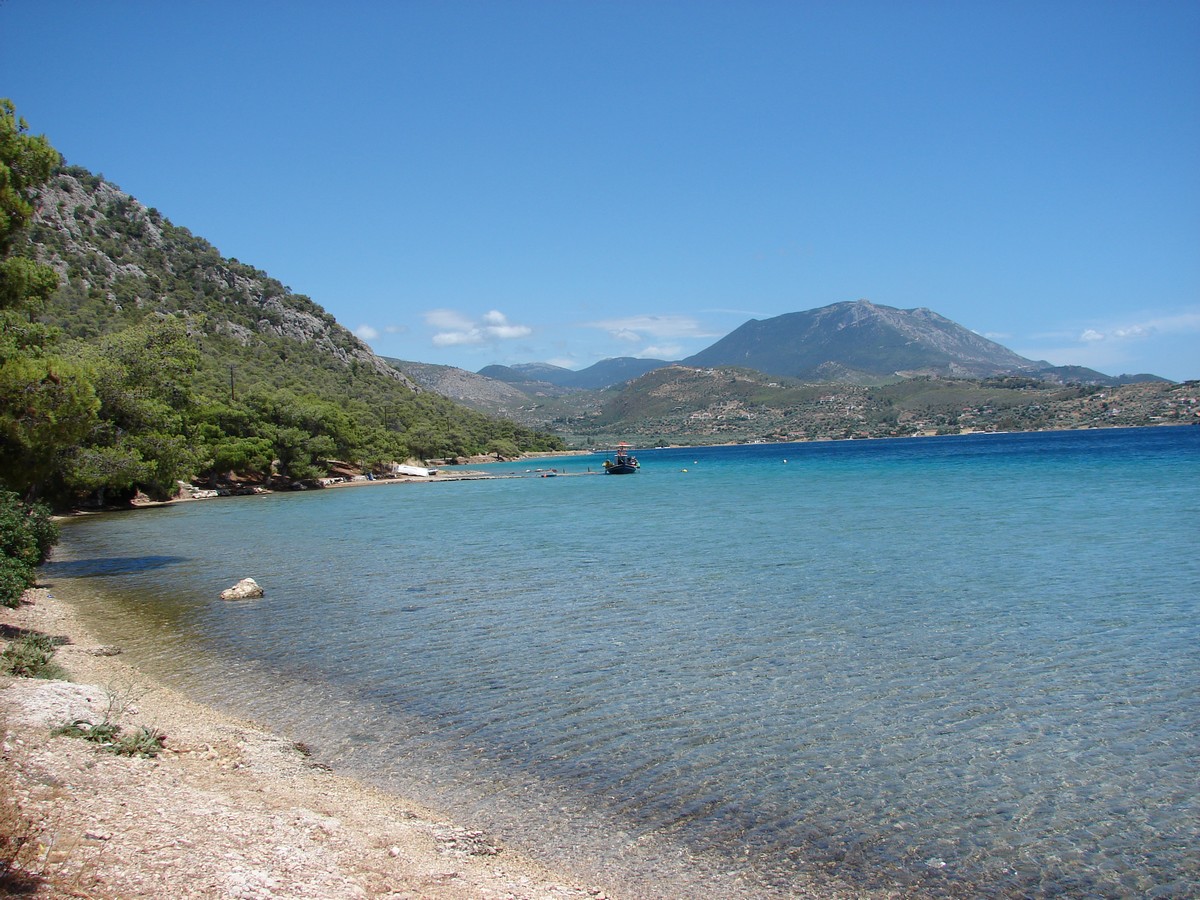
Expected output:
(621, 469)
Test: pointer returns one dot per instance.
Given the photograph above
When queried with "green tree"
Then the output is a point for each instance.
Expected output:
(25, 284)
(46, 403)
(47, 406)
(26, 535)
(139, 439)
(26, 162)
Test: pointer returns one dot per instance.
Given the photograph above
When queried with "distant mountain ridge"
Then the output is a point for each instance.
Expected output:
(858, 339)
(852, 342)
(604, 374)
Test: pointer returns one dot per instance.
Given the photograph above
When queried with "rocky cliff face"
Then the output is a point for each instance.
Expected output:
(112, 252)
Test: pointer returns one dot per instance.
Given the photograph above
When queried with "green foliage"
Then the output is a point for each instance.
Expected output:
(31, 656)
(26, 162)
(47, 405)
(139, 437)
(26, 535)
(15, 577)
(142, 742)
(155, 359)
(25, 284)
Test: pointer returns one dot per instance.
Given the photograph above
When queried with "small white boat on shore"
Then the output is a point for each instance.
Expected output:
(418, 471)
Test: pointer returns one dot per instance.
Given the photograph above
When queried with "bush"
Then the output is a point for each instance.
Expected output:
(32, 656)
(15, 576)
(142, 742)
(26, 530)
(26, 535)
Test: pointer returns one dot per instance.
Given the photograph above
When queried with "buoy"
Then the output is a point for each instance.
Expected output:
(683, 470)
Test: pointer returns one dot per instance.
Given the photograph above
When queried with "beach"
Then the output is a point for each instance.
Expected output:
(867, 688)
(226, 810)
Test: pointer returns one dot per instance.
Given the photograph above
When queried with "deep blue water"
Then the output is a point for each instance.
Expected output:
(967, 666)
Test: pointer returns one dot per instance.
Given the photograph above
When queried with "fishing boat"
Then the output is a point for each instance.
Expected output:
(623, 461)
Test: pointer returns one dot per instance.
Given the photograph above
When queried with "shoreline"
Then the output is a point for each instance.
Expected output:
(231, 809)
(227, 809)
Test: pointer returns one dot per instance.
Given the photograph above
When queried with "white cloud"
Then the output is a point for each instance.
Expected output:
(448, 320)
(1182, 323)
(662, 351)
(459, 330)
(635, 327)
(1157, 344)
(456, 338)
(366, 332)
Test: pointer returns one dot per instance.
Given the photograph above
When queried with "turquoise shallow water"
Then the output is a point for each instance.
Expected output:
(968, 666)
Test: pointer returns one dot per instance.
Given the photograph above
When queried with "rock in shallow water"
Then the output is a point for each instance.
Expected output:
(245, 589)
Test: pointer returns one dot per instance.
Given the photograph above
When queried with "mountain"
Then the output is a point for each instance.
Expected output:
(534, 404)
(859, 340)
(525, 373)
(610, 372)
(534, 379)
(270, 359)
(476, 391)
(118, 260)
(687, 405)
(855, 342)
(1084, 375)
(596, 377)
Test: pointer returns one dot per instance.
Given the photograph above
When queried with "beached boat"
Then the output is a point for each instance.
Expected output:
(623, 461)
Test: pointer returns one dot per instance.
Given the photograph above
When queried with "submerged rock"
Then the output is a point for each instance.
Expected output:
(245, 589)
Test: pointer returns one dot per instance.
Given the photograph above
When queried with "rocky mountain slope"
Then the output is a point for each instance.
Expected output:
(861, 341)
(534, 404)
(115, 255)
(276, 382)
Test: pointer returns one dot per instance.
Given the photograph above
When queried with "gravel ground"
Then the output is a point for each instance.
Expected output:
(226, 810)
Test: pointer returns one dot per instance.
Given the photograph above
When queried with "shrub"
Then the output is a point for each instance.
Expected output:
(15, 576)
(26, 535)
(26, 530)
(143, 742)
(32, 656)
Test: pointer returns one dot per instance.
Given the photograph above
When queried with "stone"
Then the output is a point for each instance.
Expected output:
(245, 589)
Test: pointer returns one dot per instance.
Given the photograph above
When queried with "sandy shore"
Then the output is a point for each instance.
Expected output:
(227, 810)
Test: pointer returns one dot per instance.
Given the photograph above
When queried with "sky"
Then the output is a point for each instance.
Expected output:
(470, 183)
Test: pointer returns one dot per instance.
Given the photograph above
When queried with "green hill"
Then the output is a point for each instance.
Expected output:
(265, 374)
(690, 405)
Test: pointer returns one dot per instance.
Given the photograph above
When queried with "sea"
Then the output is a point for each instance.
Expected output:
(963, 666)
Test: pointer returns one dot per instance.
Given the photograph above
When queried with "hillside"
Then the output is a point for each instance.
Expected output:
(689, 405)
(274, 371)
(598, 376)
(859, 340)
(844, 343)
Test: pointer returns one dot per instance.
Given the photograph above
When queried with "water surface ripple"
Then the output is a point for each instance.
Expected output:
(958, 665)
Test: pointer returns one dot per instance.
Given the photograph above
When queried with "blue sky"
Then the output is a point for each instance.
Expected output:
(497, 182)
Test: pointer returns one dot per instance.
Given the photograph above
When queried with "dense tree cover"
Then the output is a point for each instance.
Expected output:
(153, 358)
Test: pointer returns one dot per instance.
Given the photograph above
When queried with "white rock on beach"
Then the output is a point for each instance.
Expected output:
(245, 589)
